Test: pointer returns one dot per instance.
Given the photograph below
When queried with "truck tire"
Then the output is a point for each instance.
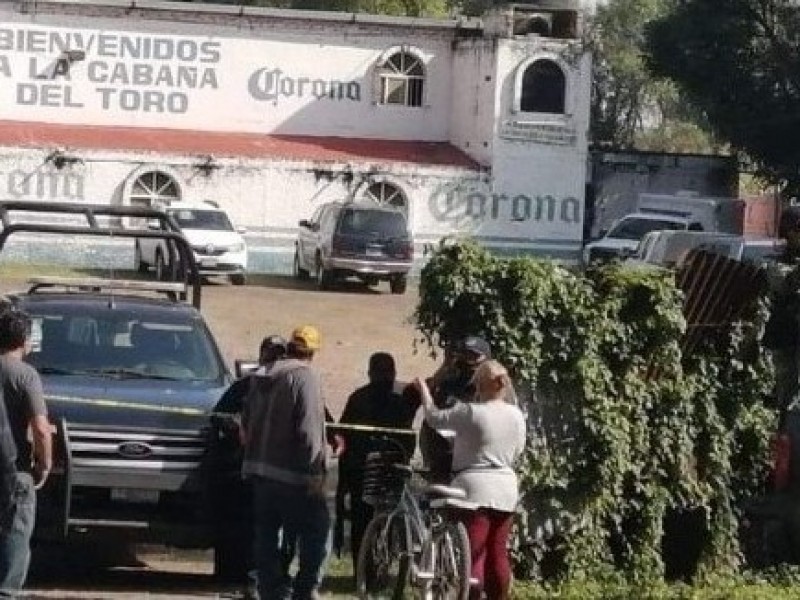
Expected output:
(162, 270)
(324, 276)
(398, 284)
(138, 262)
(299, 272)
(230, 565)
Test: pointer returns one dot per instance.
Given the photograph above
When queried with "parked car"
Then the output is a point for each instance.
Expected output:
(367, 241)
(131, 374)
(219, 248)
(764, 250)
(667, 248)
(624, 236)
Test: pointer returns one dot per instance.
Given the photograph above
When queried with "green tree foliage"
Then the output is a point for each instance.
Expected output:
(739, 62)
(409, 8)
(628, 431)
(631, 108)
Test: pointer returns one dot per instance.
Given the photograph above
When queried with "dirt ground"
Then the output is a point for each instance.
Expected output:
(354, 322)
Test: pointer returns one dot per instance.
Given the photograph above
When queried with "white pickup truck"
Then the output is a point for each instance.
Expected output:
(684, 211)
(219, 248)
(624, 235)
(669, 248)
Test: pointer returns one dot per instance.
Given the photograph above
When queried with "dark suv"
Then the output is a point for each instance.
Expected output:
(367, 241)
(130, 379)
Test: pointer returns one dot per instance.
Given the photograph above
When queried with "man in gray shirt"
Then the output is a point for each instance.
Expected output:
(31, 431)
(283, 422)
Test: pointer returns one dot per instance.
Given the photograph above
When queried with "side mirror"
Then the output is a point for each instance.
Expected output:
(305, 223)
(601, 234)
(244, 367)
(241, 230)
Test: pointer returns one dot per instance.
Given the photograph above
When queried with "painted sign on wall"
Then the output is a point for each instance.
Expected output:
(39, 184)
(100, 76)
(481, 210)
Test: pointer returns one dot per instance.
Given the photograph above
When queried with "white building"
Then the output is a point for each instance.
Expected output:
(474, 127)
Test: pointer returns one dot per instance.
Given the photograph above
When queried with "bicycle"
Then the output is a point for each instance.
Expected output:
(412, 540)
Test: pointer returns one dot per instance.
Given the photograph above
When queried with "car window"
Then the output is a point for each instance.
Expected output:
(202, 219)
(317, 215)
(644, 246)
(329, 218)
(123, 344)
(377, 222)
(634, 228)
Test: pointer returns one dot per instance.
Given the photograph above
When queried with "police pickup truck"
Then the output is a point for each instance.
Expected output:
(131, 373)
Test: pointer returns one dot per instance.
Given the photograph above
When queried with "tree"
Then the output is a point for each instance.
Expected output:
(739, 62)
(408, 8)
(631, 108)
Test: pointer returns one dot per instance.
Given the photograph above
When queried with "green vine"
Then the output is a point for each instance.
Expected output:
(627, 434)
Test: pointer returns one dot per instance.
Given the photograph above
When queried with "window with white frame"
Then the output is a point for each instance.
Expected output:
(386, 194)
(154, 189)
(402, 80)
(544, 88)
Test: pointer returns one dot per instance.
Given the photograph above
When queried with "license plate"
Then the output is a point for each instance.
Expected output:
(374, 252)
(134, 495)
(208, 262)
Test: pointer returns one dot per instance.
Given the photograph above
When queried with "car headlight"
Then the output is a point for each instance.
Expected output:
(237, 248)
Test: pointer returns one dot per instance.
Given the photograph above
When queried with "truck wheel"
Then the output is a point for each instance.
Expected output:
(324, 276)
(398, 284)
(299, 272)
(230, 562)
(138, 263)
(161, 267)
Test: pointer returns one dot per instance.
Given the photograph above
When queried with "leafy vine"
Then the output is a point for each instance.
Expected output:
(627, 434)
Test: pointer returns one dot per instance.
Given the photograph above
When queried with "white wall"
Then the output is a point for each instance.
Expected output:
(527, 195)
(255, 80)
(472, 120)
(539, 161)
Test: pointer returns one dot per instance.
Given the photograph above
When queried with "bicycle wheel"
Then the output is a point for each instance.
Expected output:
(382, 569)
(451, 562)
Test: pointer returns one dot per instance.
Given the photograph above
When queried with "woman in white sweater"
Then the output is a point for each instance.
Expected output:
(490, 437)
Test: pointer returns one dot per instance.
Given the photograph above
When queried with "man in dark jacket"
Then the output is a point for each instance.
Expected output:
(231, 496)
(377, 404)
(285, 446)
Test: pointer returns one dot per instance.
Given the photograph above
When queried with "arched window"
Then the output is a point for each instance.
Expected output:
(386, 194)
(402, 78)
(154, 189)
(544, 88)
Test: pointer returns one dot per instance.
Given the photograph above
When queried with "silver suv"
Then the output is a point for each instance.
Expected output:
(366, 240)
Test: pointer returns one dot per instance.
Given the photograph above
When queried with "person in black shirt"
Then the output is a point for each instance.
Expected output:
(377, 404)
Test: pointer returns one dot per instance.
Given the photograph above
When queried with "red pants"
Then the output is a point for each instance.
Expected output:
(489, 531)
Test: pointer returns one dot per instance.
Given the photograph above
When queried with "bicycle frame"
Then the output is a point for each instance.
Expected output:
(417, 535)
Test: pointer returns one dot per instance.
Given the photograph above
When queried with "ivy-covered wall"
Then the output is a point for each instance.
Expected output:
(629, 437)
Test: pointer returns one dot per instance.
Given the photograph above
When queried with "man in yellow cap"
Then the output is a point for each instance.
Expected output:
(284, 430)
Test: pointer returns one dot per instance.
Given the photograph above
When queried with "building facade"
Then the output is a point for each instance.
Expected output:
(472, 127)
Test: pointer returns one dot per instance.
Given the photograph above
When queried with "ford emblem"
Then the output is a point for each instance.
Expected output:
(135, 449)
(210, 249)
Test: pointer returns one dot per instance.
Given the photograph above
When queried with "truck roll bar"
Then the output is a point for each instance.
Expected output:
(177, 245)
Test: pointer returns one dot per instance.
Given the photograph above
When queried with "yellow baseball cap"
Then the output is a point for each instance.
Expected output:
(307, 337)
